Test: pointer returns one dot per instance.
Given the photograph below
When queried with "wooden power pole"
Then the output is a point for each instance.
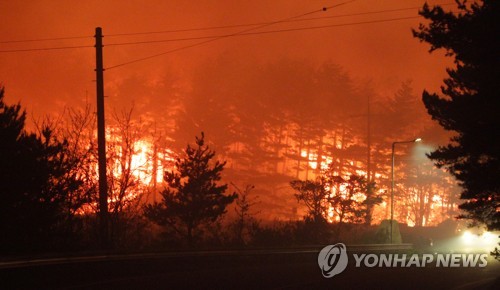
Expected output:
(101, 140)
(368, 142)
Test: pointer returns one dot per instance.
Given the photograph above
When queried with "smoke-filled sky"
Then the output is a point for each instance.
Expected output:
(365, 46)
(46, 81)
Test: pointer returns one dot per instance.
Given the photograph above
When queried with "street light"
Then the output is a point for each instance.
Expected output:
(392, 174)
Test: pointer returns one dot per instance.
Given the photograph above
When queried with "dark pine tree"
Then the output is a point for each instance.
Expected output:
(470, 102)
(32, 198)
(193, 198)
(314, 195)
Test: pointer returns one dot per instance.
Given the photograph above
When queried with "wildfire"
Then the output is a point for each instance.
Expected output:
(134, 170)
(381, 211)
(136, 167)
(145, 167)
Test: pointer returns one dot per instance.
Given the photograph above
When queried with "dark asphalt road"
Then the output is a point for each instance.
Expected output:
(288, 269)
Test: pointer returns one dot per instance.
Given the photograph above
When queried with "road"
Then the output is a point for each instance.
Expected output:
(264, 269)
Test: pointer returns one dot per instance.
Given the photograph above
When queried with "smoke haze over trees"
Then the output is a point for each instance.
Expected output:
(279, 111)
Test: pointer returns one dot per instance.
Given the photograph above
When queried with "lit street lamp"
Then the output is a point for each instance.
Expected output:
(392, 174)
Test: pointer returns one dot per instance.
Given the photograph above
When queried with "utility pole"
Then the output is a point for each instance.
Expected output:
(101, 141)
(368, 141)
(392, 186)
(369, 189)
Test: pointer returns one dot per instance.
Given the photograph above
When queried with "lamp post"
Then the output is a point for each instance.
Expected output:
(392, 177)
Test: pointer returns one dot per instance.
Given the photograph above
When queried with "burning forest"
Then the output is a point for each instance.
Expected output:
(288, 138)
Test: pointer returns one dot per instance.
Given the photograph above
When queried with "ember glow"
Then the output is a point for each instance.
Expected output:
(142, 164)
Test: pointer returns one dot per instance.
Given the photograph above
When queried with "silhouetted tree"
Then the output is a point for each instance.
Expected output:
(347, 206)
(496, 253)
(331, 195)
(471, 104)
(245, 220)
(77, 128)
(127, 188)
(33, 189)
(314, 195)
(130, 175)
(400, 117)
(193, 198)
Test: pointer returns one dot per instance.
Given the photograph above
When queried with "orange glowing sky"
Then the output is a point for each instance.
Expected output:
(46, 81)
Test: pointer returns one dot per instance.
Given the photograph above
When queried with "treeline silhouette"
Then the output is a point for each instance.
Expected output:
(36, 186)
(270, 124)
(286, 119)
(49, 194)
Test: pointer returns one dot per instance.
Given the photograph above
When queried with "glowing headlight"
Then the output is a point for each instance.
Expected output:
(468, 238)
(485, 241)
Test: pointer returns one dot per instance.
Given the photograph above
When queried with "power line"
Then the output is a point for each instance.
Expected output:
(45, 39)
(76, 37)
(216, 37)
(229, 35)
(263, 32)
(263, 23)
(45, 48)
(216, 27)
(213, 37)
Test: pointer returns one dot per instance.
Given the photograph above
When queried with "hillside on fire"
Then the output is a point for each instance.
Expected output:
(240, 126)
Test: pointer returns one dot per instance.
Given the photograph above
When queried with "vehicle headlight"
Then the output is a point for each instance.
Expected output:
(485, 241)
(468, 238)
